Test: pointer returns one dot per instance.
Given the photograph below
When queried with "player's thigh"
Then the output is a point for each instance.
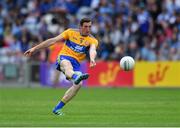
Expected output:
(66, 65)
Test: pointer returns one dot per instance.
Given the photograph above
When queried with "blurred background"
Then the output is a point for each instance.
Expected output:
(148, 95)
(147, 30)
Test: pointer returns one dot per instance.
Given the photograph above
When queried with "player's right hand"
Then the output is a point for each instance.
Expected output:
(29, 52)
(92, 63)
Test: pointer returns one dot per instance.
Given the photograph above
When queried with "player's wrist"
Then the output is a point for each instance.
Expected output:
(34, 49)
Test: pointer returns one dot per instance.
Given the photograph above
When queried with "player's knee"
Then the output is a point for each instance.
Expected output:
(68, 72)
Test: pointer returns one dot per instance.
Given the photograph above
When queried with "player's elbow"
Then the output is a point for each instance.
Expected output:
(93, 52)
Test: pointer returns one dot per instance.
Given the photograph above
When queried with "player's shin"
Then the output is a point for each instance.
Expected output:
(71, 92)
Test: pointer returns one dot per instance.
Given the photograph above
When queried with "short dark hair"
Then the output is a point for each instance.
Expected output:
(83, 20)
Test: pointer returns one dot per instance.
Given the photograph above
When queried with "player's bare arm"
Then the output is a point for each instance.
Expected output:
(44, 44)
(92, 53)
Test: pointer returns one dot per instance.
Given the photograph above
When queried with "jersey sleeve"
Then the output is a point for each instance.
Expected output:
(94, 41)
(66, 34)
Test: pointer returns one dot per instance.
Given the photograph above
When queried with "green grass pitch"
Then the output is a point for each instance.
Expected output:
(91, 107)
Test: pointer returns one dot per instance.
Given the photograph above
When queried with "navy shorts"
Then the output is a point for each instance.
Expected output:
(74, 62)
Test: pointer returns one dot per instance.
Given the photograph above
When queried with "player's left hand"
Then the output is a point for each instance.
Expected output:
(29, 52)
(92, 63)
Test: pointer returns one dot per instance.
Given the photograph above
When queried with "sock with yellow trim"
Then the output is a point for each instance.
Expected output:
(60, 105)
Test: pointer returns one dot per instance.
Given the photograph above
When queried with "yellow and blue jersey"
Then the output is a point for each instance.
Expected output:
(75, 48)
(76, 45)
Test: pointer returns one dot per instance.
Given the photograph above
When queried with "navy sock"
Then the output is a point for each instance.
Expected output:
(74, 76)
(60, 105)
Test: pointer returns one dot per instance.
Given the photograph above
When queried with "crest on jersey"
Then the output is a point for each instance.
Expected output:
(81, 40)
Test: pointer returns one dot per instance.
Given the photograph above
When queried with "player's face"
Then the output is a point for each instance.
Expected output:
(86, 28)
